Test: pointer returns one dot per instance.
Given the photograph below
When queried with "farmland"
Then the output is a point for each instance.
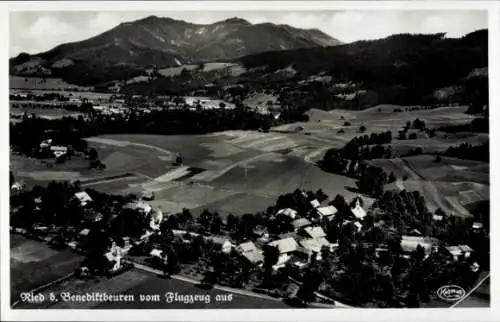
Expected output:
(33, 264)
(245, 171)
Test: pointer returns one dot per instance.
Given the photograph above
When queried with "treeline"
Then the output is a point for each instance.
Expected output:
(28, 133)
(467, 151)
(479, 125)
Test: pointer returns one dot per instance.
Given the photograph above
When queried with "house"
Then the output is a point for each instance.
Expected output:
(261, 233)
(114, 256)
(409, 244)
(223, 243)
(315, 203)
(140, 206)
(83, 197)
(415, 232)
(58, 150)
(315, 245)
(314, 232)
(474, 267)
(84, 233)
(437, 217)
(287, 212)
(92, 216)
(326, 211)
(358, 211)
(477, 226)
(358, 226)
(285, 247)
(156, 220)
(148, 195)
(45, 144)
(459, 251)
(16, 187)
(156, 253)
(300, 223)
(251, 253)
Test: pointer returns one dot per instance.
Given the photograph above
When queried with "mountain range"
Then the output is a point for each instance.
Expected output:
(165, 42)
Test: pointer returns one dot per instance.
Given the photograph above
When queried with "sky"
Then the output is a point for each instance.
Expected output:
(38, 31)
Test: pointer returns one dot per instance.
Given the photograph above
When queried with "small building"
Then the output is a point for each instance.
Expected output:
(114, 257)
(83, 197)
(409, 244)
(148, 195)
(92, 216)
(141, 206)
(358, 226)
(156, 219)
(84, 233)
(327, 211)
(358, 211)
(315, 203)
(437, 217)
(476, 226)
(16, 187)
(314, 232)
(287, 212)
(45, 144)
(223, 243)
(459, 251)
(285, 247)
(300, 223)
(251, 253)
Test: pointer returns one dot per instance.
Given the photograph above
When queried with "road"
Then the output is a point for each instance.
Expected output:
(471, 299)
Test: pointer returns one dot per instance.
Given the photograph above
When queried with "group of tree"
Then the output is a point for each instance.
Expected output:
(467, 151)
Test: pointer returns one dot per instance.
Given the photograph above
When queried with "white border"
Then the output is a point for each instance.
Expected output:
(248, 314)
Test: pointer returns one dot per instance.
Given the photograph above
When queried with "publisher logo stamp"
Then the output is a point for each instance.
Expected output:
(450, 293)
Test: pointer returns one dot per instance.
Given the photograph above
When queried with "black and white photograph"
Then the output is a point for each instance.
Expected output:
(248, 159)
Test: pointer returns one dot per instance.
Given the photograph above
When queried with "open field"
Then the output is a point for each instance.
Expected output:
(245, 171)
(20, 82)
(33, 264)
(450, 185)
(44, 112)
(137, 282)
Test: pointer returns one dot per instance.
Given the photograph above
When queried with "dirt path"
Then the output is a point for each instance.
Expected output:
(121, 143)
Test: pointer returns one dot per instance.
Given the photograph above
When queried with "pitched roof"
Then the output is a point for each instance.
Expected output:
(254, 257)
(220, 240)
(358, 211)
(247, 247)
(326, 211)
(410, 243)
(454, 250)
(301, 222)
(315, 232)
(465, 248)
(156, 252)
(285, 245)
(84, 232)
(315, 203)
(287, 212)
(83, 196)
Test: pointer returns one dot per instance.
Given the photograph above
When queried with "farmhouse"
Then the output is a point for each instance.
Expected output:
(300, 223)
(285, 247)
(315, 203)
(140, 206)
(156, 220)
(114, 256)
(251, 253)
(222, 243)
(409, 244)
(83, 197)
(358, 211)
(287, 212)
(326, 211)
(459, 251)
(16, 187)
(314, 232)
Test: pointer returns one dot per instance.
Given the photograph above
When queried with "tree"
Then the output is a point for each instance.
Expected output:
(437, 158)
(413, 136)
(271, 255)
(362, 128)
(93, 155)
(391, 178)
(12, 179)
